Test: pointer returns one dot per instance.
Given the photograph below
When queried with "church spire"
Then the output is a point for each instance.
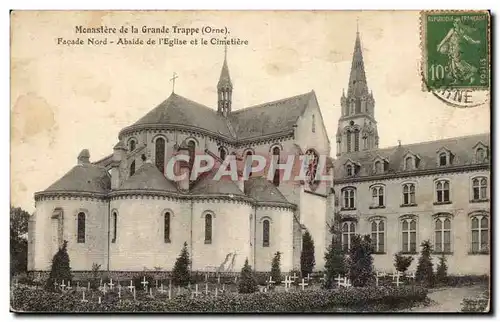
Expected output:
(357, 80)
(224, 88)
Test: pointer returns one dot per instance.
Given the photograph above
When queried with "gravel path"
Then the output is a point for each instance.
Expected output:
(448, 299)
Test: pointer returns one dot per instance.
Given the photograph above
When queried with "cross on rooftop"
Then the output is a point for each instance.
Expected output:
(174, 77)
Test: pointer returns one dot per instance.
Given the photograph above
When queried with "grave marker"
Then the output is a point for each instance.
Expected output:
(303, 284)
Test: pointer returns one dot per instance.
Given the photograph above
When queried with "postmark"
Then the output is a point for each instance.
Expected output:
(455, 51)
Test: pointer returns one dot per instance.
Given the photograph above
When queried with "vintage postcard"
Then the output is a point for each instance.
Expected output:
(250, 161)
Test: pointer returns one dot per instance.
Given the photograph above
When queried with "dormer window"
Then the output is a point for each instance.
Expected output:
(480, 153)
(378, 167)
(349, 170)
(409, 163)
(443, 159)
(132, 145)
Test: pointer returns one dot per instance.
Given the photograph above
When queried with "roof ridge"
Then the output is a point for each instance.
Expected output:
(434, 141)
(271, 102)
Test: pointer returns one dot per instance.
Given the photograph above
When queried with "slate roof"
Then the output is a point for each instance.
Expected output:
(180, 110)
(148, 177)
(269, 118)
(260, 189)
(83, 178)
(462, 149)
(206, 185)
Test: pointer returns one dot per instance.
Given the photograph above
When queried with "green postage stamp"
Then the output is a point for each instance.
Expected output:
(456, 49)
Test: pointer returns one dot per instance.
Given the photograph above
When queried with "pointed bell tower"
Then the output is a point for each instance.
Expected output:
(357, 128)
(224, 89)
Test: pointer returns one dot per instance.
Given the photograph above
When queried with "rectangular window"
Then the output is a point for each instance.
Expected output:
(166, 227)
(409, 235)
(81, 228)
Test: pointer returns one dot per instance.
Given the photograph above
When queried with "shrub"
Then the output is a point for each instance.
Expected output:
(307, 261)
(138, 279)
(180, 274)
(480, 304)
(275, 268)
(401, 262)
(334, 258)
(247, 282)
(37, 300)
(425, 272)
(60, 269)
(361, 261)
(442, 270)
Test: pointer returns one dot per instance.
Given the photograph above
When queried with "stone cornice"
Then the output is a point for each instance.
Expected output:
(53, 195)
(414, 173)
(201, 131)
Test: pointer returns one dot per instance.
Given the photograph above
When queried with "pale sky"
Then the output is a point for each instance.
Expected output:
(67, 98)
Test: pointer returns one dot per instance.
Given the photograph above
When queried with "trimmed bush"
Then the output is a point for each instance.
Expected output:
(335, 263)
(181, 274)
(425, 272)
(275, 268)
(60, 269)
(307, 260)
(401, 262)
(480, 304)
(382, 298)
(247, 281)
(361, 261)
(442, 270)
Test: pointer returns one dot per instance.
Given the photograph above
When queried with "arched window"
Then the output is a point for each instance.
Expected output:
(443, 159)
(348, 230)
(132, 168)
(479, 188)
(442, 231)
(408, 194)
(480, 233)
(378, 196)
(358, 105)
(166, 227)
(378, 167)
(222, 153)
(312, 167)
(208, 229)
(356, 140)
(191, 150)
(248, 162)
(265, 233)
(114, 218)
(132, 145)
(349, 198)
(348, 141)
(313, 128)
(276, 178)
(442, 191)
(378, 235)
(160, 154)
(81, 228)
(409, 235)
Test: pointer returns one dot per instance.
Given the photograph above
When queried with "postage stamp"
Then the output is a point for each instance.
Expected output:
(455, 50)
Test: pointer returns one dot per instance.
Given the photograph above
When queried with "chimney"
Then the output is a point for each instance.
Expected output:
(84, 157)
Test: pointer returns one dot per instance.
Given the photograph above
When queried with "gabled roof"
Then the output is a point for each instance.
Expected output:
(180, 110)
(148, 177)
(83, 178)
(260, 189)
(269, 118)
(461, 147)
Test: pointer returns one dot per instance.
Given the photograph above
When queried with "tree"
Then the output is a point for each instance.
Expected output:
(360, 260)
(334, 258)
(425, 273)
(60, 270)
(247, 282)
(181, 274)
(18, 240)
(307, 261)
(402, 262)
(275, 268)
(442, 270)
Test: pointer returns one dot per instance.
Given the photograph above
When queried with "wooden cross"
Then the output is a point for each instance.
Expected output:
(156, 284)
(99, 300)
(83, 297)
(134, 294)
(174, 77)
(339, 280)
(264, 289)
(88, 286)
(308, 278)
(170, 290)
(104, 289)
(62, 286)
(412, 275)
(119, 290)
(216, 291)
(394, 275)
(294, 276)
(323, 278)
(151, 293)
(218, 279)
(223, 288)
(206, 288)
(270, 280)
(288, 282)
(303, 284)
(55, 284)
(145, 284)
(196, 293)
(235, 279)
(111, 284)
(161, 289)
(100, 282)
(131, 287)
(397, 282)
(69, 284)
(347, 282)
(77, 286)
(206, 277)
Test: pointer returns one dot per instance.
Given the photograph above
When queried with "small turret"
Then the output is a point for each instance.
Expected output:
(84, 157)
(224, 89)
